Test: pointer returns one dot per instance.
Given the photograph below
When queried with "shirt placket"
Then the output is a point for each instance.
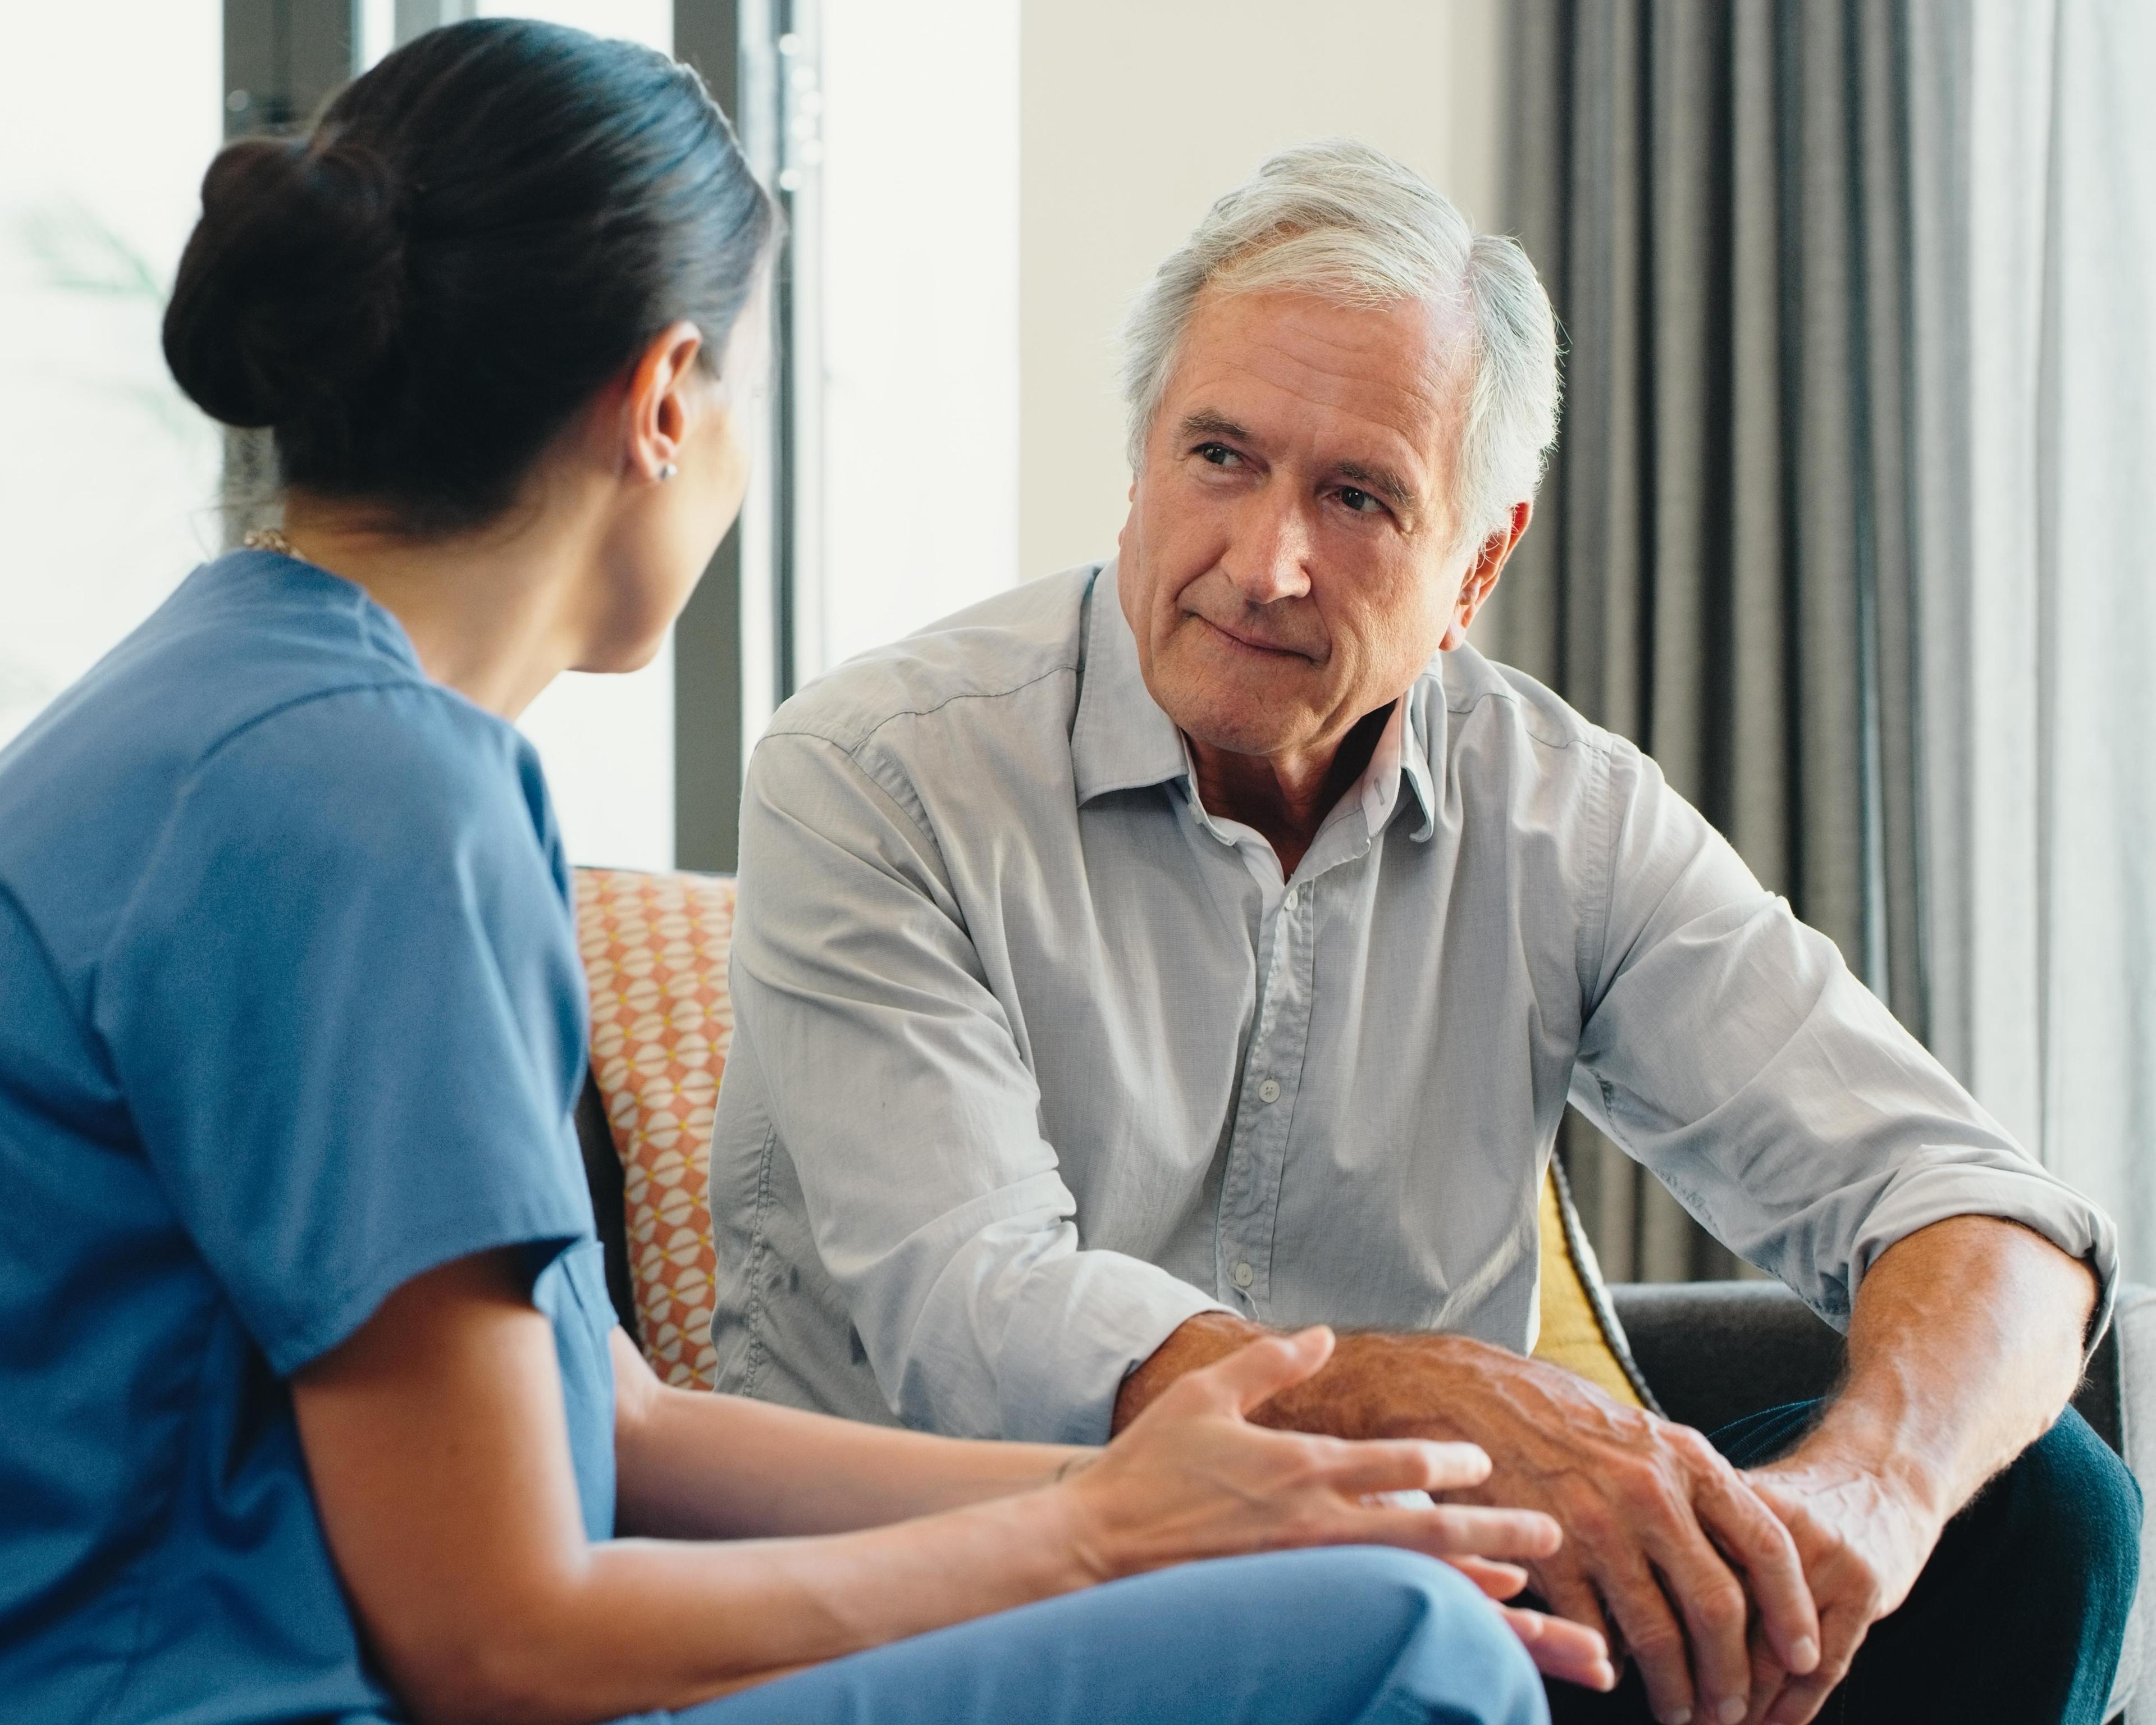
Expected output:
(1264, 1109)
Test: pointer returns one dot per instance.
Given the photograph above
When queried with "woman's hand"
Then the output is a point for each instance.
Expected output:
(1192, 1478)
(1559, 1647)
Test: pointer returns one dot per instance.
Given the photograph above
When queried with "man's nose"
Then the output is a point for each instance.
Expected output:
(1269, 557)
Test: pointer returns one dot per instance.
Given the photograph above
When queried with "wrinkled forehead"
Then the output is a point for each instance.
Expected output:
(1300, 363)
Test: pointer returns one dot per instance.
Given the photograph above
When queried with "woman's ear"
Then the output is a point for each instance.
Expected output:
(662, 409)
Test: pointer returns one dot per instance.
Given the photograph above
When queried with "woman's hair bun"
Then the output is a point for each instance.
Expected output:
(290, 292)
(477, 235)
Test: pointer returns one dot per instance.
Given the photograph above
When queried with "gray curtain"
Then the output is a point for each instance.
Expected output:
(1720, 197)
(1849, 523)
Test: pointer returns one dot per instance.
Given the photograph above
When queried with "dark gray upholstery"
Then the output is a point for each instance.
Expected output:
(1715, 1351)
(609, 1211)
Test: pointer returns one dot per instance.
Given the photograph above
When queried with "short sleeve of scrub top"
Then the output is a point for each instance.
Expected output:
(345, 1014)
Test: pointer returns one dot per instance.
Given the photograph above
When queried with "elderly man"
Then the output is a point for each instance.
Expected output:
(1209, 941)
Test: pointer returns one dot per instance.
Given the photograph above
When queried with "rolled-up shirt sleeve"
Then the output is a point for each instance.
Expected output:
(1729, 1050)
(890, 1069)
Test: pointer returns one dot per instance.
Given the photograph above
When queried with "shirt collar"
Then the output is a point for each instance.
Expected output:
(1415, 748)
(1120, 739)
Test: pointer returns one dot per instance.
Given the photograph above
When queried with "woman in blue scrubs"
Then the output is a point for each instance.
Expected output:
(312, 1404)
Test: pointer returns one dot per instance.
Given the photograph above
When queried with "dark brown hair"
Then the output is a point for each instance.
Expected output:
(419, 295)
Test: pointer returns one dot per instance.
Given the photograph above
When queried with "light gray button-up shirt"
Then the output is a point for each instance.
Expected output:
(1035, 1058)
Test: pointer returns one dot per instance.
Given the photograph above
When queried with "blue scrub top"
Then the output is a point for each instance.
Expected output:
(291, 1011)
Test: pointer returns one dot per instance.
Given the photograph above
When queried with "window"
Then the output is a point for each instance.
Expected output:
(108, 477)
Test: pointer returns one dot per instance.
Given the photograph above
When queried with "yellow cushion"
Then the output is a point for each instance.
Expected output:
(654, 949)
(1571, 1335)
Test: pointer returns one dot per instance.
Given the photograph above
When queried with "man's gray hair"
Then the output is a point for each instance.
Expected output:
(1343, 221)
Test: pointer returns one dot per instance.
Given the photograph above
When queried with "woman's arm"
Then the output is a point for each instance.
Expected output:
(436, 1443)
(692, 1465)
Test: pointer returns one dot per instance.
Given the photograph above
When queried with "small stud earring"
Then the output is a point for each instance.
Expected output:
(667, 469)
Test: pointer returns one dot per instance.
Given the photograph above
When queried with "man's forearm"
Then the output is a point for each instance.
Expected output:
(1964, 1345)
(1195, 1343)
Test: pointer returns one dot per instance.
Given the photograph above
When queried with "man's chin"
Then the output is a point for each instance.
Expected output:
(1229, 707)
(1239, 732)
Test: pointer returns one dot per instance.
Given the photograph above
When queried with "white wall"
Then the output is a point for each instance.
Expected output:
(921, 308)
(1137, 115)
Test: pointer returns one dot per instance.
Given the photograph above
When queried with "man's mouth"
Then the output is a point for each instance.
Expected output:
(1251, 642)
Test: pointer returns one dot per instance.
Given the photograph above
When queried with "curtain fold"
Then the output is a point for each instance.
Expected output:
(1847, 525)
(1718, 195)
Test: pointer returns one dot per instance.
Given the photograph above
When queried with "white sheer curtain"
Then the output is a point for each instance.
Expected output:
(1849, 524)
(2035, 226)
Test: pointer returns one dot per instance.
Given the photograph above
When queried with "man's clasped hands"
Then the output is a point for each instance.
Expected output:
(1742, 1595)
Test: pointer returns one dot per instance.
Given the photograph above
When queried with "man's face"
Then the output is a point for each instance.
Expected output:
(1288, 565)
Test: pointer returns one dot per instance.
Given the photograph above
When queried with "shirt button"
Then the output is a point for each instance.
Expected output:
(1269, 1092)
(1244, 1275)
(1290, 900)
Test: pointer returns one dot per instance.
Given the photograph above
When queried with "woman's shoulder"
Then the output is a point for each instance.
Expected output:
(286, 719)
(386, 764)
(242, 639)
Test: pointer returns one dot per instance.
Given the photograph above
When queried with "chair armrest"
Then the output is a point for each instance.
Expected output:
(1715, 1351)
(2132, 1346)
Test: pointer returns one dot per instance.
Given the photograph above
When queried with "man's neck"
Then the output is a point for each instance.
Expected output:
(1286, 796)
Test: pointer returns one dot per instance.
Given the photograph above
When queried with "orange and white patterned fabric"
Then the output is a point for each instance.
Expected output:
(654, 949)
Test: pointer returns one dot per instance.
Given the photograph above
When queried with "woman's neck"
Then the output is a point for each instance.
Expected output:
(490, 613)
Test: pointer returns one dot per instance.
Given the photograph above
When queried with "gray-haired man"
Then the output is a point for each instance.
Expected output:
(1210, 940)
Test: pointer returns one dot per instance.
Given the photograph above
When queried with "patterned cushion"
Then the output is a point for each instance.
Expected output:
(654, 950)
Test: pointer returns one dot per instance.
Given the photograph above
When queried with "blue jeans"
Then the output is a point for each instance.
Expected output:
(1350, 1636)
(2017, 1618)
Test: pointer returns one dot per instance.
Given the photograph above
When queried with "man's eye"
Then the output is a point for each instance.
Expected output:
(1219, 455)
(1362, 503)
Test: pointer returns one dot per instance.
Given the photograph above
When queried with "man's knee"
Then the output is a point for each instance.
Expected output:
(2071, 1513)
(2075, 1517)
(2043, 1562)
(1456, 1658)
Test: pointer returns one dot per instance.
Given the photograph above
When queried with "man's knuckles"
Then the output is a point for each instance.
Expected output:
(1718, 1608)
(1653, 1634)
(1649, 1495)
(1591, 1526)
(1690, 1447)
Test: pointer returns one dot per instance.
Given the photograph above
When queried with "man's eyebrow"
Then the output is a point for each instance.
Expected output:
(1205, 422)
(1387, 485)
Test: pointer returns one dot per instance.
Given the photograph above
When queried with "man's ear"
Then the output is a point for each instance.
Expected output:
(661, 411)
(1481, 578)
